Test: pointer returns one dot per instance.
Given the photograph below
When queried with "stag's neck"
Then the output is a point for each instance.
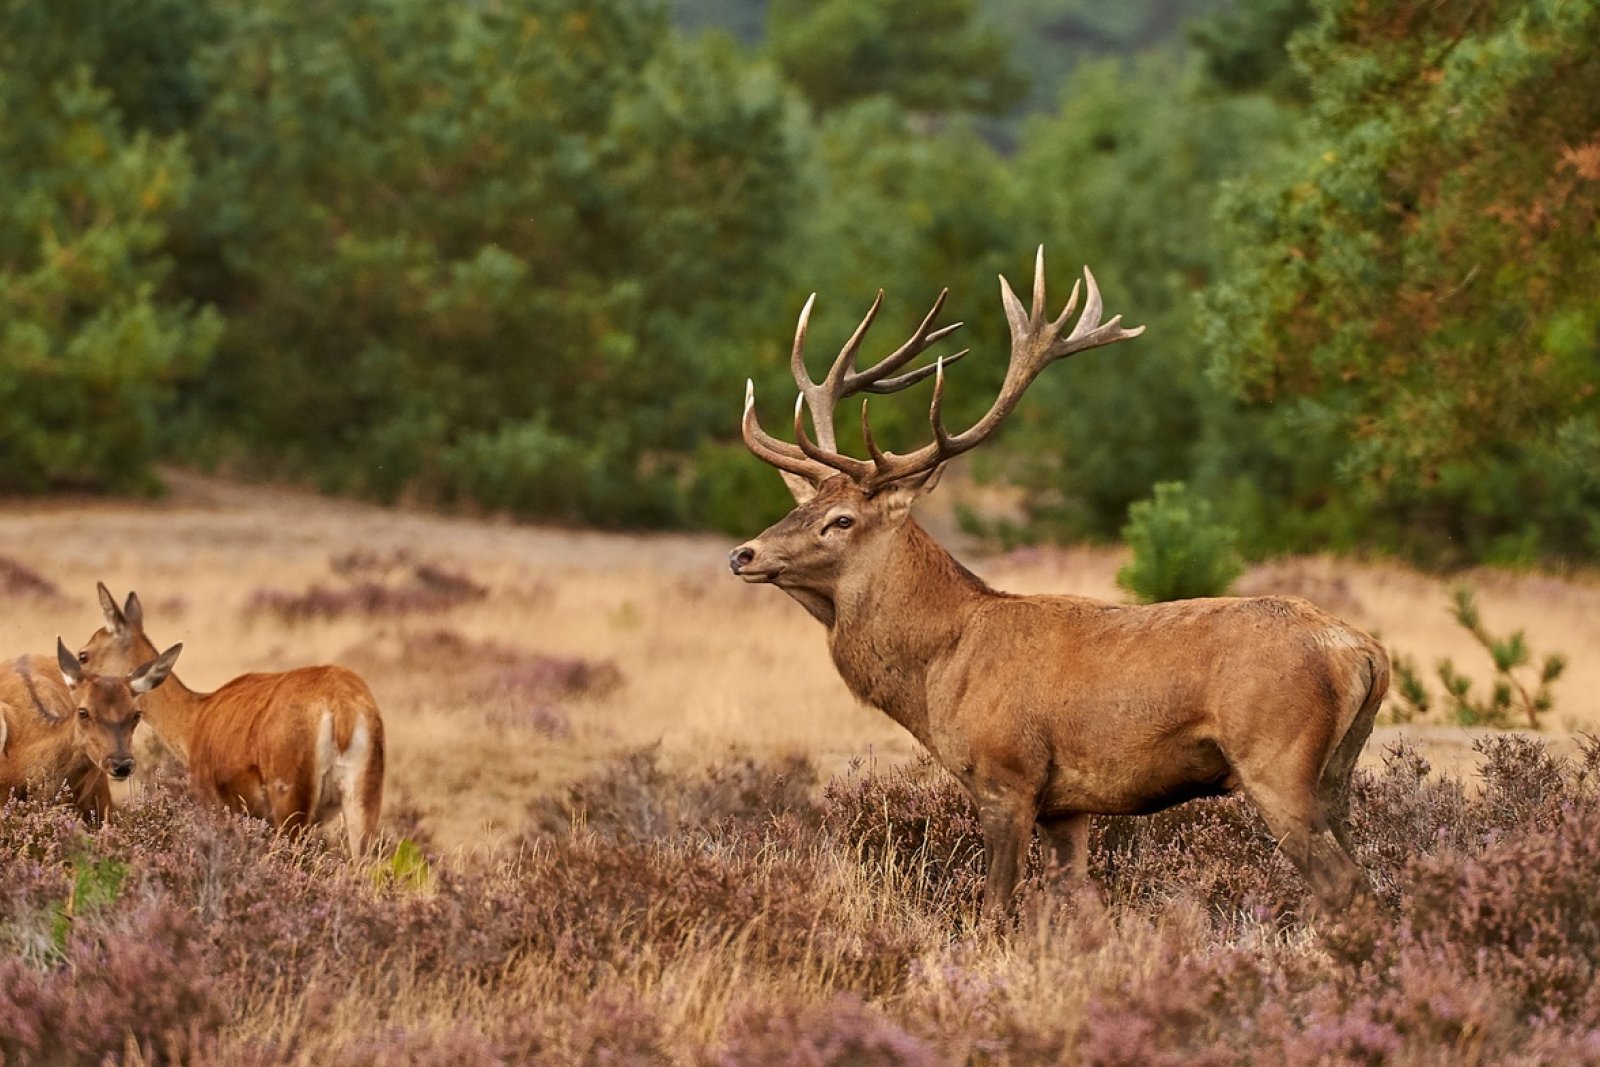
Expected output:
(172, 709)
(889, 631)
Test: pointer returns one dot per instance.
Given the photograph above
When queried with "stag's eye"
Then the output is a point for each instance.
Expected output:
(840, 522)
(83, 713)
(83, 657)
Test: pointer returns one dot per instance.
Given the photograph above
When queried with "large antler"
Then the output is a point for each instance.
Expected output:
(816, 462)
(1035, 344)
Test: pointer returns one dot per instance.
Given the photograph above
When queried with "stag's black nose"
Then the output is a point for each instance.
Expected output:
(740, 558)
(121, 768)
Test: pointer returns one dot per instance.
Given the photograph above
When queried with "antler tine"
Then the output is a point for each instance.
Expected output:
(1035, 344)
(1038, 285)
(780, 454)
(839, 374)
(877, 454)
(1066, 312)
(797, 355)
(834, 462)
(910, 378)
(941, 436)
(919, 341)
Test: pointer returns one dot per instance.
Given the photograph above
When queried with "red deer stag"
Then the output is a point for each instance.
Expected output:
(293, 748)
(1049, 709)
(62, 726)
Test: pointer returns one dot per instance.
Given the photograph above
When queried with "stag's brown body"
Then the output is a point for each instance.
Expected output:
(1049, 709)
(295, 748)
(63, 728)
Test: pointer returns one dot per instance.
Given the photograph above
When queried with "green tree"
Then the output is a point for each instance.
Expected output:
(451, 236)
(930, 55)
(1122, 178)
(1180, 550)
(1419, 290)
(90, 349)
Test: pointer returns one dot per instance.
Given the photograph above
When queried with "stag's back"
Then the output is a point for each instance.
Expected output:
(1202, 667)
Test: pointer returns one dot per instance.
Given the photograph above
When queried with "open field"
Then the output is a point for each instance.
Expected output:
(706, 664)
(716, 902)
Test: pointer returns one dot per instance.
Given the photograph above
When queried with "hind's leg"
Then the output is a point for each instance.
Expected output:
(361, 800)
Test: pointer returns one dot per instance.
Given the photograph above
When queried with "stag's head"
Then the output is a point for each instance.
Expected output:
(106, 711)
(847, 509)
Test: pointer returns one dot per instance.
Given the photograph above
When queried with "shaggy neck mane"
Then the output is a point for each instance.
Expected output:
(893, 623)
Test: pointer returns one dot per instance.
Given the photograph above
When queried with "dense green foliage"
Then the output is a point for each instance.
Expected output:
(521, 256)
(930, 54)
(1420, 287)
(90, 349)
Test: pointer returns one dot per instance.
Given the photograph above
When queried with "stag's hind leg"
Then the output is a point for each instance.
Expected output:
(1066, 847)
(1294, 815)
(1334, 787)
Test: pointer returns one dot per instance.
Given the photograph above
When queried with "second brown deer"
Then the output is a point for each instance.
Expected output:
(66, 729)
(1049, 709)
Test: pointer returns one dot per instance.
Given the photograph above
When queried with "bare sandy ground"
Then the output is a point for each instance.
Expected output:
(708, 666)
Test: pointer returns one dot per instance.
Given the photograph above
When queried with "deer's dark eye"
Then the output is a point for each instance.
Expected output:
(842, 522)
(83, 657)
(83, 713)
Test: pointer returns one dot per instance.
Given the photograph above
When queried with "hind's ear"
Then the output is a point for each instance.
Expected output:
(133, 612)
(145, 678)
(108, 607)
(71, 669)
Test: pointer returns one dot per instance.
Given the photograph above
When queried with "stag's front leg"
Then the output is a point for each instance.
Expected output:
(1007, 828)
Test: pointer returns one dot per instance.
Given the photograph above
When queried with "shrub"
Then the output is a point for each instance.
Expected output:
(370, 584)
(1515, 694)
(19, 581)
(1179, 551)
(841, 1033)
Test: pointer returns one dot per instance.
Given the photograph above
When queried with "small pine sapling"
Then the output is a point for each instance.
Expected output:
(1512, 695)
(1179, 550)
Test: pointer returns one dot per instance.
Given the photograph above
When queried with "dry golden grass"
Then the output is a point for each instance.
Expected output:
(707, 664)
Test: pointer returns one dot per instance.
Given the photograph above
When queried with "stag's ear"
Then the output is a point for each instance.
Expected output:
(145, 678)
(71, 669)
(898, 496)
(800, 488)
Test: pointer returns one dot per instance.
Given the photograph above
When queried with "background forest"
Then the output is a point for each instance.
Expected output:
(520, 255)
